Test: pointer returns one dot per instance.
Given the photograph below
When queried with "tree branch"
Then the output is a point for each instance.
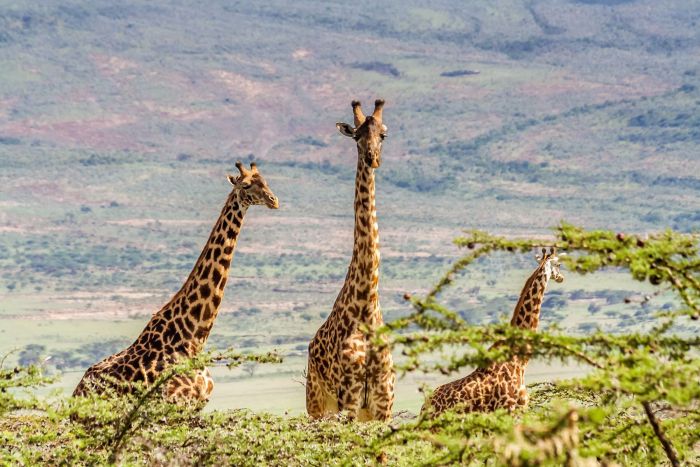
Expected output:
(665, 442)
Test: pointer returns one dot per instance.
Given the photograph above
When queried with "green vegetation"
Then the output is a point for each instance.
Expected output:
(636, 406)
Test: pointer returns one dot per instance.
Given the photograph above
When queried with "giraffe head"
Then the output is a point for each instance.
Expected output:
(549, 262)
(368, 132)
(252, 187)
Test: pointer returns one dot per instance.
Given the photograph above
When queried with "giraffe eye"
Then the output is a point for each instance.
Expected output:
(382, 136)
(246, 186)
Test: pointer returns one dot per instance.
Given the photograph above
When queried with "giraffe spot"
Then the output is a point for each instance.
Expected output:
(192, 297)
(205, 272)
(168, 313)
(207, 254)
(196, 311)
(207, 312)
(228, 250)
(137, 376)
(202, 332)
(217, 252)
(204, 291)
(237, 222)
(225, 263)
(216, 300)
(148, 358)
(230, 234)
(219, 239)
(235, 206)
(216, 276)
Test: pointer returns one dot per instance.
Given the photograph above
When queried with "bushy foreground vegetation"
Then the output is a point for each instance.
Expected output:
(638, 405)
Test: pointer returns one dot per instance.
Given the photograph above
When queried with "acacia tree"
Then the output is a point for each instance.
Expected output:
(639, 403)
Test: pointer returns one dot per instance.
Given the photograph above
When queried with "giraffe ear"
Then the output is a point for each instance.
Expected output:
(345, 129)
(232, 179)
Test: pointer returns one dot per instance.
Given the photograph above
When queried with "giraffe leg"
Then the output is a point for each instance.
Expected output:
(353, 375)
(381, 386)
(350, 393)
(318, 402)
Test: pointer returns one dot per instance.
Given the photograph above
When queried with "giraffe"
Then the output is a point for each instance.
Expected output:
(346, 371)
(181, 328)
(501, 385)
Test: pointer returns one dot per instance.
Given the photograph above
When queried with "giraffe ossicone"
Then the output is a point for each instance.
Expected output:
(181, 328)
(501, 384)
(348, 372)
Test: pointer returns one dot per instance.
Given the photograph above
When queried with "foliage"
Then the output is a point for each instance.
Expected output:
(645, 383)
(19, 380)
(97, 429)
(638, 404)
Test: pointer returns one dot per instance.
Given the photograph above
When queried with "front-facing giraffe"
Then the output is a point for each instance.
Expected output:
(501, 385)
(346, 371)
(181, 328)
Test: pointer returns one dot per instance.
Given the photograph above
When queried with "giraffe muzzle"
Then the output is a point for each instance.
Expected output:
(272, 202)
(373, 162)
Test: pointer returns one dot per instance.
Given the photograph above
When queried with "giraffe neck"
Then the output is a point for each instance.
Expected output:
(191, 312)
(364, 266)
(527, 312)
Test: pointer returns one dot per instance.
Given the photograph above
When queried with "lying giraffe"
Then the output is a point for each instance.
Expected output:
(501, 385)
(181, 328)
(346, 372)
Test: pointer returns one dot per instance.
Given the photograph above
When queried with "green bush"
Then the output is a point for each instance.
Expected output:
(636, 406)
